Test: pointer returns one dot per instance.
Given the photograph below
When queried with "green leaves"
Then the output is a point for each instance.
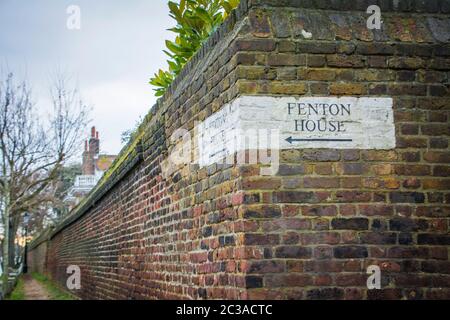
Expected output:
(161, 80)
(196, 20)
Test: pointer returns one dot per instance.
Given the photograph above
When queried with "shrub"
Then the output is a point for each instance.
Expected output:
(196, 20)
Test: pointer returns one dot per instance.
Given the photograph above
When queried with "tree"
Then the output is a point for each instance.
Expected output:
(126, 135)
(64, 183)
(196, 20)
(33, 152)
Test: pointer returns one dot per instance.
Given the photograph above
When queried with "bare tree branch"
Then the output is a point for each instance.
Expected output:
(33, 152)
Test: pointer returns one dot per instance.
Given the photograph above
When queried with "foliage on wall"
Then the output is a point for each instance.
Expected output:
(195, 21)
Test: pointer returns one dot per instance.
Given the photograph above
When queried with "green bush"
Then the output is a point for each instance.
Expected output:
(19, 291)
(196, 20)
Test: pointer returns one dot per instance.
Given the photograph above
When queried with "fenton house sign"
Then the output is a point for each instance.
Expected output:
(307, 122)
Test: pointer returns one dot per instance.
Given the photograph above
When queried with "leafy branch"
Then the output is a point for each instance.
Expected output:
(196, 21)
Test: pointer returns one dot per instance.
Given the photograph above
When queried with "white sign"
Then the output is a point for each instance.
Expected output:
(300, 123)
(217, 134)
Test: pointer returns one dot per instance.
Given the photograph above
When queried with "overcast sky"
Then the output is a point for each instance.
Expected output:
(113, 55)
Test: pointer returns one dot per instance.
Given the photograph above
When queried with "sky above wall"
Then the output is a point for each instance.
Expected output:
(111, 57)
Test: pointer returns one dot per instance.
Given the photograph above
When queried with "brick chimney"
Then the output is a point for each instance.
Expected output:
(91, 151)
(94, 142)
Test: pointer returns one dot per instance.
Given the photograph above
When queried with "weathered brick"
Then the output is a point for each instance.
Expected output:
(321, 155)
(351, 182)
(431, 76)
(286, 59)
(287, 73)
(406, 75)
(320, 238)
(378, 238)
(437, 116)
(344, 61)
(407, 89)
(294, 197)
(406, 63)
(438, 143)
(411, 183)
(349, 168)
(435, 129)
(410, 129)
(320, 74)
(436, 184)
(384, 294)
(295, 252)
(227, 240)
(412, 170)
(259, 23)
(325, 293)
(436, 239)
(291, 169)
(311, 47)
(349, 252)
(347, 89)
(377, 89)
(323, 252)
(249, 58)
(412, 142)
(407, 224)
(262, 211)
(261, 239)
(437, 156)
(438, 90)
(316, 60)
(289, 280)
(253, 282)
(318, 88)
(353, 196)
(286, 224)
(407, 197)
(408, 252)
(263, 266)
(255, 45)
(286, 46)
(261, 183)
(374, 75)
(376, 210)
(380, 155)
(377, 62)
(291, 183)
(350, 224)
(349, 280)
(323, 168)
(280, 24)
(436, 267)
(282, 87)
(320, 183)
(319, 210)
(375, 48)
(441, 171)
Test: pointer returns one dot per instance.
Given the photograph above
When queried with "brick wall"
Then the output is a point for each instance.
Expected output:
(37, 257)
(311, 231)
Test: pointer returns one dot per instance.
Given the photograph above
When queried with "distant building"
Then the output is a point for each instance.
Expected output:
(93, 166)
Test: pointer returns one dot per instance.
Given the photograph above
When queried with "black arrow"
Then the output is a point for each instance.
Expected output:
(290, 140)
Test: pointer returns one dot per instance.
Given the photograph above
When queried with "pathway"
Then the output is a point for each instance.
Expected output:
(34, 290)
